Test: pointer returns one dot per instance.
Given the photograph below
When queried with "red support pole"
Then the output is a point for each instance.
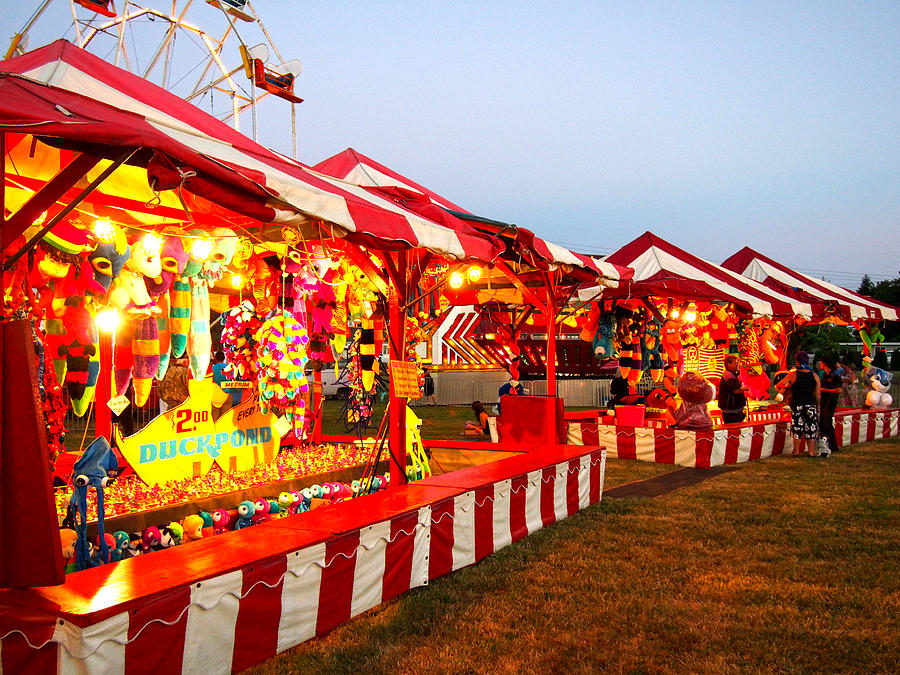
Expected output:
(397, 333)
(102, 413)
(317, 406)
(551, 338)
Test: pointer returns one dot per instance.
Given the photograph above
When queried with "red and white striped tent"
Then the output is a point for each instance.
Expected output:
(847, 305)
(664, 270)
(351, 165)
(74, 100)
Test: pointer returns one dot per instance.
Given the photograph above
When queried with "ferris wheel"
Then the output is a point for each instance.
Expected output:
(216, 54)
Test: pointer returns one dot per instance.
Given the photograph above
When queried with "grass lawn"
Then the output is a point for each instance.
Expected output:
(784, 565)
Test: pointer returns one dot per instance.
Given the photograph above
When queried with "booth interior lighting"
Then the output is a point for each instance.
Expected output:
(201, 248)
(456, 280)
(105, 230)
(107, 320)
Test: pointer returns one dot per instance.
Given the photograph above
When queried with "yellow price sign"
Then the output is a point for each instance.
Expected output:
(404, 379)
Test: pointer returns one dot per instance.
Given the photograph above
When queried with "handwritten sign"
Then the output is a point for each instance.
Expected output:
(405, 379)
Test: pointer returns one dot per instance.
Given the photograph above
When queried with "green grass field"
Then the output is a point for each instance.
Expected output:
(787, 565)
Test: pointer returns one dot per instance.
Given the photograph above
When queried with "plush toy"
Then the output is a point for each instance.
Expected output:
(151, 539)
(179, 314)
(175, 532)
(286, 502)
(870, 334)
(245, 513)
(603, 340)
(281, 359)
(880, 382)
(96, 468)
(135, 546)
(68, 538)
(223, 520)
(109, 542)
(145, 358)
(107, 261)
(719, 326)
(192, 526)
(660, 399)
(652, 360)
(199, 342)
(121, 546)
(695, 392)
(173, 260)
(770, 342)
(263, 509)
(239, 341)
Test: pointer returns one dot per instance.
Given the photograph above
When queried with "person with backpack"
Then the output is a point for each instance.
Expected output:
(732, 392)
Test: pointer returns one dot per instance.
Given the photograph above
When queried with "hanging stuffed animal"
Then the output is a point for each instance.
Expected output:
(674, 350)
(652, 360)
(96, 468)
(367, 354)
(603, 340)
(173, 259)
(281, 359)
(870, 334)
(199, 343)
(239, 342)
(769, 341)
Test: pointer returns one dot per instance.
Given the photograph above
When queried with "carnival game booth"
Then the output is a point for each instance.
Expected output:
(84, 142)
(507, 316)
(673, 324)
(843, 306)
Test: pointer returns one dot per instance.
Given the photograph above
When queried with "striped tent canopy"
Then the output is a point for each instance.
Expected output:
(59, 99)
(663, 270)
(351, 165)
(845, 304)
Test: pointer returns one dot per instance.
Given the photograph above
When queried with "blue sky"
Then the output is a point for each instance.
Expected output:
(715, 126)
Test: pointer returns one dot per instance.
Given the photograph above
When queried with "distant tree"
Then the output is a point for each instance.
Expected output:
(880, 359)
(824, 338)
(866, 287)
(887, 291)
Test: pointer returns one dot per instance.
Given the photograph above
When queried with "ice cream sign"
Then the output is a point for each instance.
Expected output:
(185, 441)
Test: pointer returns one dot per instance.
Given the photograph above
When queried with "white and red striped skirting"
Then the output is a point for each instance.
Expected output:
(725, 445)
(228, 602)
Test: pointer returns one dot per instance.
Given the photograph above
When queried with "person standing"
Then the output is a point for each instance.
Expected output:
(830, 390)
(732, 392)
(804, 386)
(849, 385)
(428, 388)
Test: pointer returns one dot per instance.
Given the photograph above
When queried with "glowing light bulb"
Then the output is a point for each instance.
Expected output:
(105, 230)
(151, 245)
(690, 316)
(201, 249)
(474, 274)
(107, 320)
(456, 280)
(237, 281)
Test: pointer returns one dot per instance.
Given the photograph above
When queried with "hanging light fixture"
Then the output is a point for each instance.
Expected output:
(201, 248)
(107, 320)
(456, 280)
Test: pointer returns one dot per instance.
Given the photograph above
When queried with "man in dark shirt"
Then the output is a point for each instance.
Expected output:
(830, 390)
(732, 399)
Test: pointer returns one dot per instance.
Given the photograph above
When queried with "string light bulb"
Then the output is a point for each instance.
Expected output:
(474, 274)
(237, 280)
(456, 280)
(107, 320)
(105, 230)
(201, 248)
(151, 245)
